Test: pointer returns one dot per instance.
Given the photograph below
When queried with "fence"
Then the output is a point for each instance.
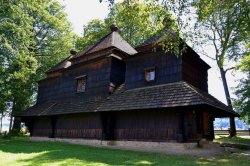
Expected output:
(239, 132)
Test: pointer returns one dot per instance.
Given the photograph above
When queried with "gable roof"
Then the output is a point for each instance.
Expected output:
(112, 40)
(179, 94)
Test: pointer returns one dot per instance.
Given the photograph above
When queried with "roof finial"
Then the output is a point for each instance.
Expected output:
(167, 21)
(73, 51)
(114, 27)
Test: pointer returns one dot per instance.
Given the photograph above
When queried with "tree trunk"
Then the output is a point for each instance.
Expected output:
(11, 119)
(1, 125)
(228, 98)
(17, 124)
(11, 116)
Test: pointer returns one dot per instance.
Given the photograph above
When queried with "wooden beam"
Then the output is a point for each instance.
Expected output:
(181, 136)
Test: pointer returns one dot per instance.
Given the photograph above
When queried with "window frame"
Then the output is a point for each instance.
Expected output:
(84, 78)
(149, 70)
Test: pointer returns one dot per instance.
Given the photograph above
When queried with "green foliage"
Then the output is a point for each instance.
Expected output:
(136, 20)
(21, 151)
(92, 32)
(242, 103)
(227, 25)
(34, 35)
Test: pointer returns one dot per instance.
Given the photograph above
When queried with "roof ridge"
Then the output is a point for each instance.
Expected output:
(47, 109)
(113, 39)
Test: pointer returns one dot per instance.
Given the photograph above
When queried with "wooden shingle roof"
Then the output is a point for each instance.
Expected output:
(179, 94)
(62, 65)
(162, 96)
(112, 40)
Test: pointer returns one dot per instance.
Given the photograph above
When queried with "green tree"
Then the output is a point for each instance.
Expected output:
(242, 103)
(17, 63)
(136, 20)
(225, 25)
(34, 35)
(92, 32)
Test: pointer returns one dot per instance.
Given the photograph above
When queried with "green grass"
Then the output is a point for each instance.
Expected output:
(244, 140)
(21, 151)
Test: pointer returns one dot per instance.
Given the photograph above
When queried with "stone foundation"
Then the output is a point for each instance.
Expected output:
(164, 147)
(209, 149)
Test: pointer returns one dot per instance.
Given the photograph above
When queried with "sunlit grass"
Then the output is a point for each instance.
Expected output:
(21, 151)
(238, 139)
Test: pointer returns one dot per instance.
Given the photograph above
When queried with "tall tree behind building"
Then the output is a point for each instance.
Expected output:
(35, 35)
(224, 25)
(242, 102)
(136, 20)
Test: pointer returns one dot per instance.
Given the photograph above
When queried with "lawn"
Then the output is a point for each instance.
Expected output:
(240, 139)
(21, 151)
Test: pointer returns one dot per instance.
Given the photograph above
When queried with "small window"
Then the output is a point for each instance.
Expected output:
(81, 84)
(150, 74)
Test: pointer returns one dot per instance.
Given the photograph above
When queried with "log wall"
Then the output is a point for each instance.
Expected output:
(147, 126)
(64, 87)
(87, 125)
(194, 70)
(150, 125)
(42, 127)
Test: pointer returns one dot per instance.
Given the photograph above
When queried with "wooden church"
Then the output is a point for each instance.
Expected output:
(112, 91)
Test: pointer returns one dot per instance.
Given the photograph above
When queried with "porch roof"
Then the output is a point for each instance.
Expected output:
(172, 95)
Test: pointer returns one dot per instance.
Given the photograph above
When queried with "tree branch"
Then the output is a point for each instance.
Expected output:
(231, 68)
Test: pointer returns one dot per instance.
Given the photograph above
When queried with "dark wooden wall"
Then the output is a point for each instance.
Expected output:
(174, 125)
(87, 125)
(168, 69)
(101, 72)
(42, 127)
(64, 87)
(194, 70)
(152, 125)
(99, 75)
(208, 131)
(48, 89)
(190, 125)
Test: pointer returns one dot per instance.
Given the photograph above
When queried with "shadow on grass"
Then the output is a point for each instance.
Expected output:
(234, 140)
(52, 153)
(65, 154)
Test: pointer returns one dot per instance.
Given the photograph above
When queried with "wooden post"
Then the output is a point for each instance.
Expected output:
(30, 124)
(211, 127)
(181, 137)
(202, 125)
(53, 126)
